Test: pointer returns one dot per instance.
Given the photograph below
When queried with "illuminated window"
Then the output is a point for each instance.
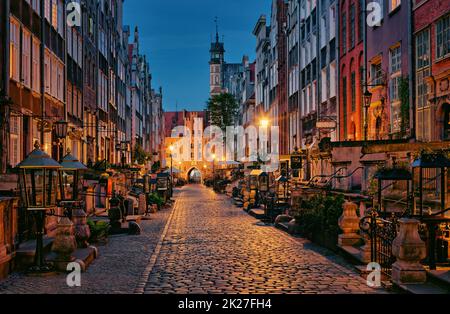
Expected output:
(26, 58)
(394, 4)
(14, 46)
(35, 71)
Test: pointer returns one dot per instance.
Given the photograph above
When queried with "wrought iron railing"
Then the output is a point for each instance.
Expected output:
(381, 234)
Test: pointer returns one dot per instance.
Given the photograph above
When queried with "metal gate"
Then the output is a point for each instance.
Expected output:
(381, 234)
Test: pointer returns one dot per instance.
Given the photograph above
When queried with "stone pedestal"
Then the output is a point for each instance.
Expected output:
(365, 251)
(349, 224)
(64, 244)
(409, 250)
(82, 231)
(142, 204)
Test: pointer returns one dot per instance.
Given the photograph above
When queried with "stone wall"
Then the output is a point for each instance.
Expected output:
(8, 232)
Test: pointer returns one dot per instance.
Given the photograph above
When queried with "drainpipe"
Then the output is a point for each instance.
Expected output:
(338, 71)
(411, 70)
(5, 106)
(42, 70)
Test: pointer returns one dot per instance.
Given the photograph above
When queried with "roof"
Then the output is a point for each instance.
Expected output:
(432, 161)
(394, 174)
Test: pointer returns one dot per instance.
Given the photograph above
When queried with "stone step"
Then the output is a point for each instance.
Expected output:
(440, 278)
(83, 256)
(282, 226)
(426, 288)
(26, 252)
(257, 213)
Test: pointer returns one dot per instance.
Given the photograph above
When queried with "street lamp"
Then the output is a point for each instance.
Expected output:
(60, 133)
(70, 176)
(171, 148)
(367, 102)
(38, 183)
(214, 170)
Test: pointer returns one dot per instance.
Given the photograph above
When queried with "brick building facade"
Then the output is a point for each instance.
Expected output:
(432, 69)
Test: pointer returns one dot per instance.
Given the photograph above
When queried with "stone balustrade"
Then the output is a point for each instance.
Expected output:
(8, 232)
(349, 224)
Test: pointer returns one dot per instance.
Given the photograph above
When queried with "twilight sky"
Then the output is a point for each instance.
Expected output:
(176, 34)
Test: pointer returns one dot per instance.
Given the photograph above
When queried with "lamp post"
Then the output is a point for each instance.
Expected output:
(71, 169)
(264, 124)
(38, 183)
(74, 209)
(60, 133)
(214, 170)
(171, 148)
(367, 101)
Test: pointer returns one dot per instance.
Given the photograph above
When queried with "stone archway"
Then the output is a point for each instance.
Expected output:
(194, 175)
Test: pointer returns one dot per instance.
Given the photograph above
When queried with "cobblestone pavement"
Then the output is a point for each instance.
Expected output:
(208, 246)
(116, 271)
(214, 247)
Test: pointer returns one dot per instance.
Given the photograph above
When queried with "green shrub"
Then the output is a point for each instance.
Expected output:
(320, 215)
(99, 230)
(155, 199)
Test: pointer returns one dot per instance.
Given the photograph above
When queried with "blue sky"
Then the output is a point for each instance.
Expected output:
(176, 34)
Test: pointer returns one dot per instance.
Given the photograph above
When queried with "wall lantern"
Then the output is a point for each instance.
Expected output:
(61, 129)
(38, 183)
(367, 98)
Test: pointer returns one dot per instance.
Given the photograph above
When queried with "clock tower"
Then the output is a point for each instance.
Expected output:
(216, 63)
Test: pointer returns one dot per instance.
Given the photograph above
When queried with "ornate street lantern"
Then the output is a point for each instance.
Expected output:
(282, 187)
(61, 129)
(38, 182)
(264, 182)
(70, 177)
(367, 99)
(162, 182)
(253, 179)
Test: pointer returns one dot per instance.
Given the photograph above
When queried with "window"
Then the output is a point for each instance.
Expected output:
(443, 37)
(47, 9)
(423, 49)
(353, 87)
(26, 58)
(376, 73)
(393, 88)
(14, 50)
(394, 4)
(344, 104)
(361, 21)
(37, 6)
(54, 77)
(352, 26)
(36, 73)
(15, 152)
(344, 33)
(395, 59)
(54, 14)
(422, 62)
(395, 73)
(47, 72)
(60, 70)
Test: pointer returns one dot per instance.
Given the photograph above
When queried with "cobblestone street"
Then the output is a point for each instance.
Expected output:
(213, 247)
(205, 245)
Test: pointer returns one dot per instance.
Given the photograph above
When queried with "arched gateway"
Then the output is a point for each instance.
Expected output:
(194, 176)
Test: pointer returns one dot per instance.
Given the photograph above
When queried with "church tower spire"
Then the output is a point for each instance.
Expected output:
(216, 63)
